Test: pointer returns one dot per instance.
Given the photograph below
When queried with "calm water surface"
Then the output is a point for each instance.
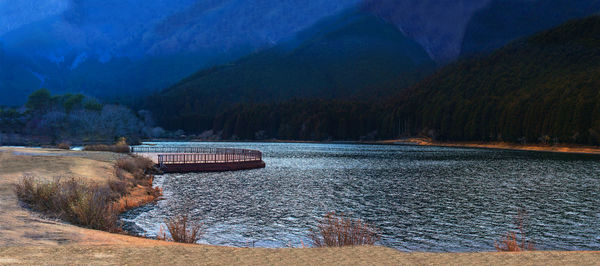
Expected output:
(421, 198)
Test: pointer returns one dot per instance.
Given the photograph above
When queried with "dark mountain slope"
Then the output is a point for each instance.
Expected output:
(354, 54)
(439, 26)
(503, 21)
(543, 88)
(123, 48)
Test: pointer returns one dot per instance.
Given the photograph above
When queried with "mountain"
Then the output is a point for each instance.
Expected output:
(439, 26)
(118, 49)
(503, 21)
(104, 48)
(540, 89)
(449, 30)
(352, 54)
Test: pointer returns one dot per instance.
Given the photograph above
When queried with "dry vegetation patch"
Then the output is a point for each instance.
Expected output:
(72, 200)
(64, 146)
(515, 241)
(91, 204)
(118, 148)
(337, 231)
(137, 166)
(182, 230)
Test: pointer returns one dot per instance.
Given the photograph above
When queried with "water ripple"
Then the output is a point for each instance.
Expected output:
(421, 198)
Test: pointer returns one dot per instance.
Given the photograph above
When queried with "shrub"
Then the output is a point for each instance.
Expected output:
(337, 231)
(511, 242)
(120, 173)
(128, 203)
(119, 187)
(64, 146)
(72, 200)
(93, 209)
(181, 230)
(135, 165)
(118, 148)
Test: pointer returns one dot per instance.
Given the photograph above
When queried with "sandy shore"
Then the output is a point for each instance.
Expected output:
(28, 238)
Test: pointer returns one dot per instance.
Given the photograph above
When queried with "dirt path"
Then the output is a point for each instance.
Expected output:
(27, 238)
(210, 255)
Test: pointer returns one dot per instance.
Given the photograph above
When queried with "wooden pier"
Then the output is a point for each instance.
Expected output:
(182, 159)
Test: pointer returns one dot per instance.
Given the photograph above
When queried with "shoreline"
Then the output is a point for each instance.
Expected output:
(570, 149)
(573, 149)
(26, 237)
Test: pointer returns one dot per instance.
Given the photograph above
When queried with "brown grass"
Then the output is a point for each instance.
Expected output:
(135, 182)
(513, 241)
(136, 165)
(181, 229)
(119, 187)
(73, 200)
(64, 146)
(89, 204)
(118, 148)
(138, 197)
(338, 231)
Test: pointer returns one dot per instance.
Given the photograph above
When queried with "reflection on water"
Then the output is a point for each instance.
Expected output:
(421, 198)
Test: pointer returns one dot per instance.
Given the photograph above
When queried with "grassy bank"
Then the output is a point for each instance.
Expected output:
(92, 204)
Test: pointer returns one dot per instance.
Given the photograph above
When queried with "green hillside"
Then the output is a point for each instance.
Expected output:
(351, 55)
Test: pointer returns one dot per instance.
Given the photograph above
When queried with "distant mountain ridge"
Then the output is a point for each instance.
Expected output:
(105, 48)
(354, 54)
(116, 49)
(503, 21)
(439, 26)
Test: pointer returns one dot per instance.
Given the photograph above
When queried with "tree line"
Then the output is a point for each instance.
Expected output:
(543, 89)
(75, 118)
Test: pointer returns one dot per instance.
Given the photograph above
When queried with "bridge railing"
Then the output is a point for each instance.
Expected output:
(189, 155)
(175, 149)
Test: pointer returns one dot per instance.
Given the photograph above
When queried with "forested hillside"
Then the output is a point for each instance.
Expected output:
(355, 54)
(545, 88)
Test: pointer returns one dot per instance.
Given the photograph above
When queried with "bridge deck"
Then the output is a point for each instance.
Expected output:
(199, 159)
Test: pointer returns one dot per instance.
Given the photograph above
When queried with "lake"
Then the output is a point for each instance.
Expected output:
(420, 198)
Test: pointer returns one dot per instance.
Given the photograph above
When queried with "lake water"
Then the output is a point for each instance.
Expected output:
(420, 198)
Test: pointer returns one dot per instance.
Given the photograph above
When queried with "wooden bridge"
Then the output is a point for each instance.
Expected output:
(179, 159)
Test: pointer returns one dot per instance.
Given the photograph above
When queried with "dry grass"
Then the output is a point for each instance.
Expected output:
(73, 200)
(182, 230)
(119, 187)
(89, 204)
(135, 165)
(64, 146)
(513, 241)
(139, 198)
(118, 148)
(137, 170)
(338, 231)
